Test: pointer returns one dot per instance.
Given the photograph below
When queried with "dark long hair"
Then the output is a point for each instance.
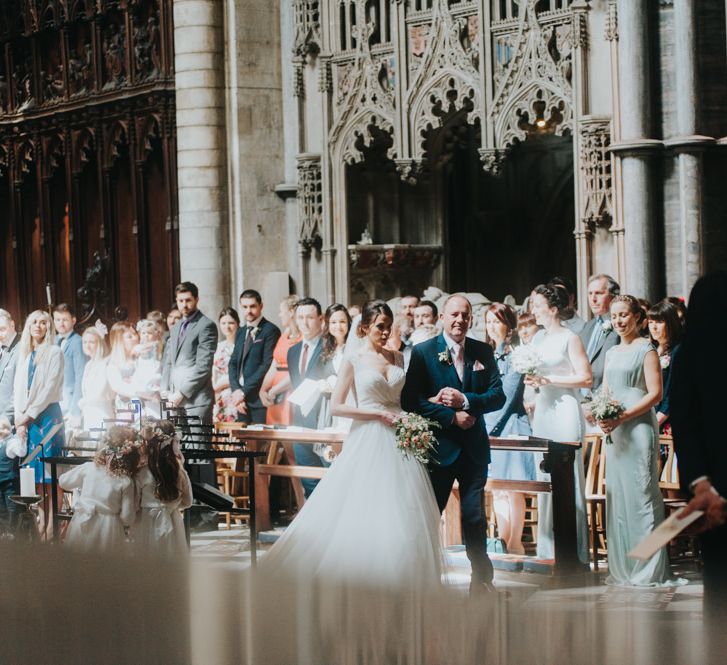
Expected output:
(505, 315)
(164, 467)
(665, 311)
(329, 341)
(370, 311)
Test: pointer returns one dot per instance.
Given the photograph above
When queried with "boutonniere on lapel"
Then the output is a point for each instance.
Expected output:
(254, 332)
(607, 326)
(444, 357)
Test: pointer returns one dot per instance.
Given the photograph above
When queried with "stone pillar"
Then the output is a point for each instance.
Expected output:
(688, 145)
(201, 155)
(636, 149)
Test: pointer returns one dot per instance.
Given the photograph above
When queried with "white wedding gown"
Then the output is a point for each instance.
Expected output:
(373, 519)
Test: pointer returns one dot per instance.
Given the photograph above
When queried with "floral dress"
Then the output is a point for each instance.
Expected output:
(224, 409)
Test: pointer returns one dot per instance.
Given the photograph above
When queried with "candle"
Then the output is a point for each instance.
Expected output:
(49, 298)
(27, 481)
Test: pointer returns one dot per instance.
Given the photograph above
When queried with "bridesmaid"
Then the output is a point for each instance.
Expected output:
(634, 506)
(97, 402)
(500, 324)
(279, 412)
(122, 365)
(558, 414)
(665, 331)
(38, 390)
(229, 323)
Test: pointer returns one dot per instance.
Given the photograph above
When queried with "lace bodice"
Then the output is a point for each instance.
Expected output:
(373, 389)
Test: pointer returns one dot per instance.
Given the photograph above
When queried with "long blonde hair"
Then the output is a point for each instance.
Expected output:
(25, 348)
(101, 350)
(118, 353)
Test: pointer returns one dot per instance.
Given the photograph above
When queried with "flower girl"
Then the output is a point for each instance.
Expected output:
(106, 507)
(163, 490)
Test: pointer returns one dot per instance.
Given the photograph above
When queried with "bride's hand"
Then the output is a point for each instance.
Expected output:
(388, 418)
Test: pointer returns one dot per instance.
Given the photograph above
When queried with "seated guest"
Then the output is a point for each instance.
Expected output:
(9, 340)
(97, 400)
(425, 314)
(229, 324)
(336, 328)
(38, 392)
(665, 332)
(251, 358)
(511, 419)
(121, 367)
(279, 411)
(74, 362)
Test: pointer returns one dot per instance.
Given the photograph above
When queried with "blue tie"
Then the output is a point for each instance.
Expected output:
(595, 338)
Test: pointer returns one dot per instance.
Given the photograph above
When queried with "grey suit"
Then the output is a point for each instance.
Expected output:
(7, 378)
(597, 357)
(187, 366)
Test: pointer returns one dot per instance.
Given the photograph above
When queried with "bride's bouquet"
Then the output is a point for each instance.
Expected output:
(414, 436)
(604, 406)
(526, 360)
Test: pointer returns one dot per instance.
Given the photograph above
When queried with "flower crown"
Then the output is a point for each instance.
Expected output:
(118, 442)
(162, 431)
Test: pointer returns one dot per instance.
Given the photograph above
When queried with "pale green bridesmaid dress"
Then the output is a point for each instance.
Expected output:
(634, 505)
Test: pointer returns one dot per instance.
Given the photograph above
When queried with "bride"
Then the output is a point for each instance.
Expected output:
(373, 519)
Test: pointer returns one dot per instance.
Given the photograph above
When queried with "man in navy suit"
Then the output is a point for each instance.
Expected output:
(74, 362)
(305, 362)
(454, 380)
(251, 358)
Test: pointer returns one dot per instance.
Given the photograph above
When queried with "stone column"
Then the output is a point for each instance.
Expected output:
(201, 155)
(636, 149)
(688, 145)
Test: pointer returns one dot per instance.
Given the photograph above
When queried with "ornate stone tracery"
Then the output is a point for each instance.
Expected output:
(310, 202)
(596, 169)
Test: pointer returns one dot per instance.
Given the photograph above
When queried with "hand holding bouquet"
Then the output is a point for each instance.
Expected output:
(414, 436)
(605, 409)
(526, 360)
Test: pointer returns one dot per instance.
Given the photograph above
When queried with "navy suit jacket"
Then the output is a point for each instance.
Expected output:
(255, 363)
(316, 369)
(74, 362)
(427, 375)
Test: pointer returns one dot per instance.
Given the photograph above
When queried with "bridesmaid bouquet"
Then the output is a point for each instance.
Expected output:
(604, 406)
(414, 436)
(526, 360)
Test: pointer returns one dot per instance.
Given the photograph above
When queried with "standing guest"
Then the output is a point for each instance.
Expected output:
(229, 324)
(173, 316)
(634, 506)
(9, 340)
(511, 419)
(279, 411)
(407, 306)
(251, 358)
(121, 366)
(665, 332)
(425, 314)
(106, 509)
(571, 320)
(148, 367)
(564, 369)
(597, 335)
(38, 391)
(163, 491)
(423, 333)
(527, 328)
(74, 361)
(681, 307)
(97, 401)
(697, 399)
(336, 328)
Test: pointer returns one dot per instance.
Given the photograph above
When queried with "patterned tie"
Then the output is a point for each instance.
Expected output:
(459, 360)
(304, 359)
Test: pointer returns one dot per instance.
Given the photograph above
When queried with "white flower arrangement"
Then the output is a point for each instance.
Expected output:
(444, 357)
(607, 326)
(414, 436)
(526, 360)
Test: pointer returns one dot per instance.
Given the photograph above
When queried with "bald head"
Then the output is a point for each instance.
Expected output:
(456, 317)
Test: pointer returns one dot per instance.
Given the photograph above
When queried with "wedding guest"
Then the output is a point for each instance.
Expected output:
(597, 335)
(511, 419)
(147, 371)
(634, 505)
(9, 340)
(97, 400)
(74, 362)
(697, 398)
(158, 317)
(163, 491)
(106, 507)
(251, 358)
(665, 333)
(279, 411)
(354, 311)
(407, 306)
(425, 313)
(681, 307)
(336, 328)
(564, 370)
(121, 366)
(527, 328)
(645, 307)
(229, 323)
(38, 391)
(571, 320)
(423, 333)
(172, 317)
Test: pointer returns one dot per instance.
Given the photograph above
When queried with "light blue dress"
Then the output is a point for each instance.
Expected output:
(510, 420)
(634, 505)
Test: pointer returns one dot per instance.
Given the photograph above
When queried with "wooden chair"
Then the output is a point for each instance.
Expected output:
(596, 496)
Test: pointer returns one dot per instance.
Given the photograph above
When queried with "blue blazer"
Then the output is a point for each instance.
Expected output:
(427, 375)
(74, 362)
(316, 369)
(255, 363)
